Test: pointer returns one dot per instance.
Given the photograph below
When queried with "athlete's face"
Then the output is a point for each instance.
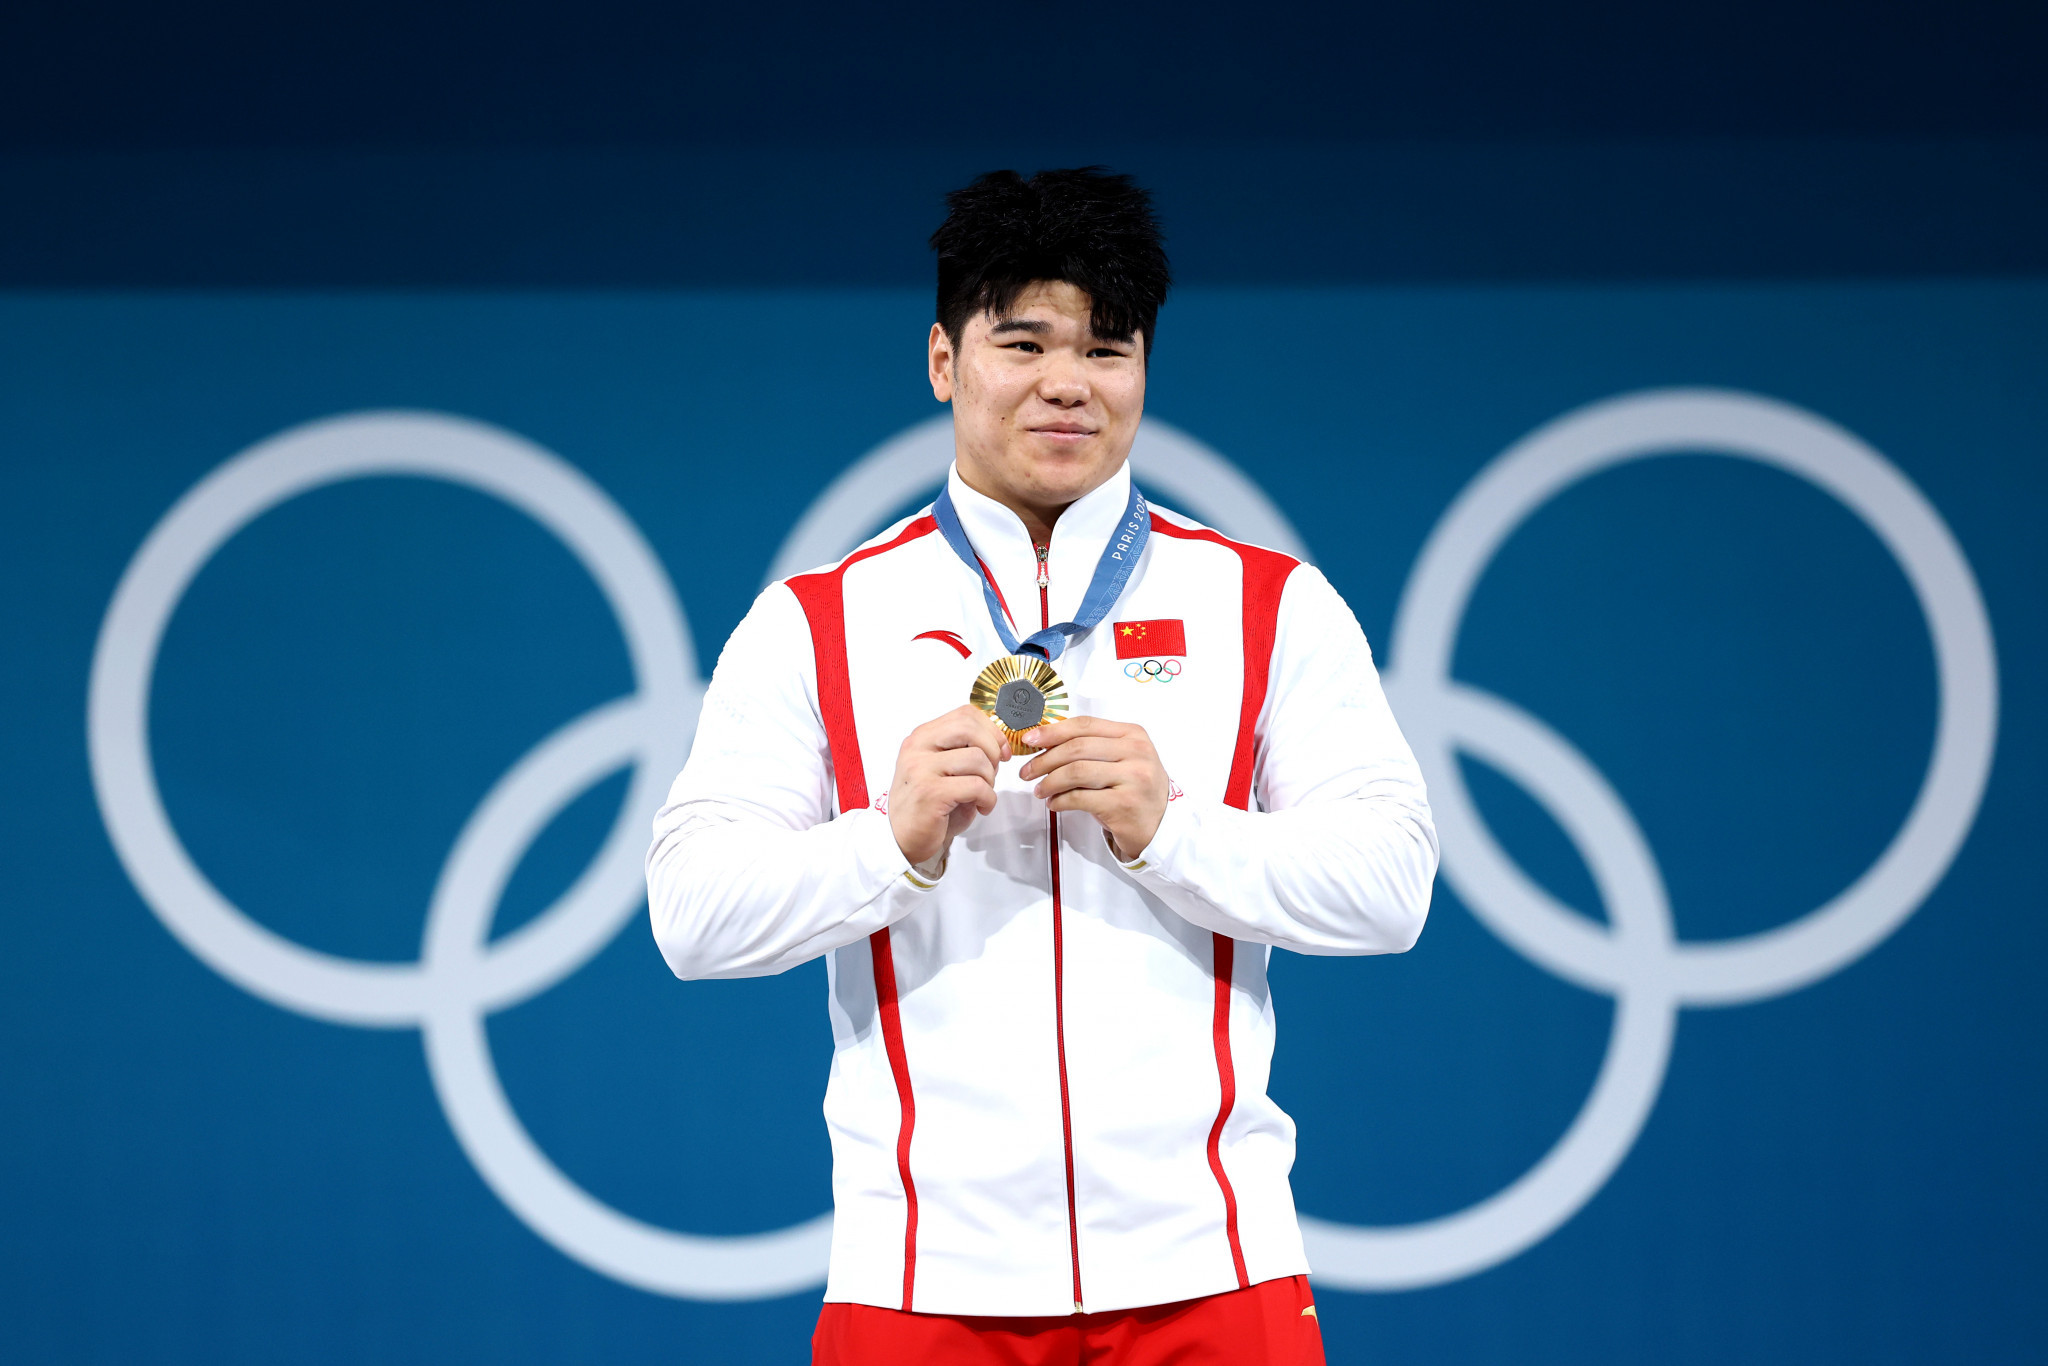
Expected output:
(1044, 410)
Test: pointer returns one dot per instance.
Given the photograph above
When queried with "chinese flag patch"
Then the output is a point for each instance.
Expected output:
(1146, 639)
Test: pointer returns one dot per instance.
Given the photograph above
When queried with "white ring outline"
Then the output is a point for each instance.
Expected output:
(1677, 421)
(1638, 961)
(462, 975)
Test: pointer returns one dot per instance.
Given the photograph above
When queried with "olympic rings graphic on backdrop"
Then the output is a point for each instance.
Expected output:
(1639, 961)
(1153, 670)
(463, 976)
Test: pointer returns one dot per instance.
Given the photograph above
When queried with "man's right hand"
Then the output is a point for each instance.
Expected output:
(945, 777)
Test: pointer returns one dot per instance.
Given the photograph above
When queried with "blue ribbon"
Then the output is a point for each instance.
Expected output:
(1112, 572)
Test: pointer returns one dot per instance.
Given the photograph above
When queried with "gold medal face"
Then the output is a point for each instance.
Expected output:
(1020, 693)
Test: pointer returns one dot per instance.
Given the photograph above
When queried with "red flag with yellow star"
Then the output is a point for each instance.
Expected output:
(1149, 639)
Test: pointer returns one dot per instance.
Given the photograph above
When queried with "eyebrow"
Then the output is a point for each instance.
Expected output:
(1031, 325)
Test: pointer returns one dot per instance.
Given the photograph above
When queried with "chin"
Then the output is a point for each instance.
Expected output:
(1067, 467)
(1067, 484)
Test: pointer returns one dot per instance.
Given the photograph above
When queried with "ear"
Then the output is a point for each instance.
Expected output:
(939, 360)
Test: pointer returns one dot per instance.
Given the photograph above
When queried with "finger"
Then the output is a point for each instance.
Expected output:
(964, 727)
(963, 762)
(951, 729)
(979, 729)
(1053, 734)
(1058, 732)
(974, 792)
(1101, 803)
(1106, 748)
(1083, 773)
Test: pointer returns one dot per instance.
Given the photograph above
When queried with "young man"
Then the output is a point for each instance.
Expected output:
(1047, 910)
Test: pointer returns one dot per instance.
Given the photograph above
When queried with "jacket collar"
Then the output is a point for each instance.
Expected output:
(1078, 540)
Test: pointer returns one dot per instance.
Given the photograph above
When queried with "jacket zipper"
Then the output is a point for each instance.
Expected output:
(1059, 1014)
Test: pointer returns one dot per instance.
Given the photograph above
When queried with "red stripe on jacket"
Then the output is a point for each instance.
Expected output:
(823, 597)
(1265, 577)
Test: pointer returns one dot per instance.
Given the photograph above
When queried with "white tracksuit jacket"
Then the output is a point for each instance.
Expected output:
(1048, 1090)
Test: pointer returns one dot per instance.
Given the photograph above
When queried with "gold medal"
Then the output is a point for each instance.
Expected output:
(1020, 693)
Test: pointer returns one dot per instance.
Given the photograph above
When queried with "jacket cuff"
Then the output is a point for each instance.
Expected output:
(1156, 858)
(883, 862)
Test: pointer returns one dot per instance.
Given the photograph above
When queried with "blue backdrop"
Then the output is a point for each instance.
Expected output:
(1845, 1170)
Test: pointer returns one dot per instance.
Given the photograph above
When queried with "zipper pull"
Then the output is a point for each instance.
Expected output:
(1043, 551)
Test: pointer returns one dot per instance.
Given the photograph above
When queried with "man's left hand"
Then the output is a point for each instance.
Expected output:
(1106, 768)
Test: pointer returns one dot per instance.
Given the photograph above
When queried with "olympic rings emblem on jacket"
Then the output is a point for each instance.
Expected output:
(462, 975)
(1152, 670)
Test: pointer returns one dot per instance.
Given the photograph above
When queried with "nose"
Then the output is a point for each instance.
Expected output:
(1063, 383)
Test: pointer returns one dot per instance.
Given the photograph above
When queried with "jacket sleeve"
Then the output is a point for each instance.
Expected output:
(750, 873)
(1340, 854)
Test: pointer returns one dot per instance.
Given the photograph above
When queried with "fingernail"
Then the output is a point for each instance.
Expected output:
(1030, 737)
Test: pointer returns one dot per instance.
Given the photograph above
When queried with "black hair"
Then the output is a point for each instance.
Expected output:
(1086, 226)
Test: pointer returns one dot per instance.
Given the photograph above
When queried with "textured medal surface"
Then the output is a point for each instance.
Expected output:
(1020, 693)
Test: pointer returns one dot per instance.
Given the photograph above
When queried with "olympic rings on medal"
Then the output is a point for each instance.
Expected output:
(1153, 670)
(463, 975)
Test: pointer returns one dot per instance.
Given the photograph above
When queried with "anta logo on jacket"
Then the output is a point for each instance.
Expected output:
(1048, 1090)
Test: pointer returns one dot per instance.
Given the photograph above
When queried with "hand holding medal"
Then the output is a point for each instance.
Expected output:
(1106, 768)
(945, 777)
(1019, 693)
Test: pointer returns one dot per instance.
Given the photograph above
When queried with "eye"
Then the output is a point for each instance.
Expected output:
(1031, 346)
(1108, 351)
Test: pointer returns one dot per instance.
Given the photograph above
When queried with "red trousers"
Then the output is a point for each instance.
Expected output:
(1271, 1324)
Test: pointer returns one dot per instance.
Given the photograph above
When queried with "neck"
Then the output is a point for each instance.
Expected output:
(1037, 518)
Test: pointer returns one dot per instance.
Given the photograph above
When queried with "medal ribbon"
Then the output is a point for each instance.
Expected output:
(1112, 572)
